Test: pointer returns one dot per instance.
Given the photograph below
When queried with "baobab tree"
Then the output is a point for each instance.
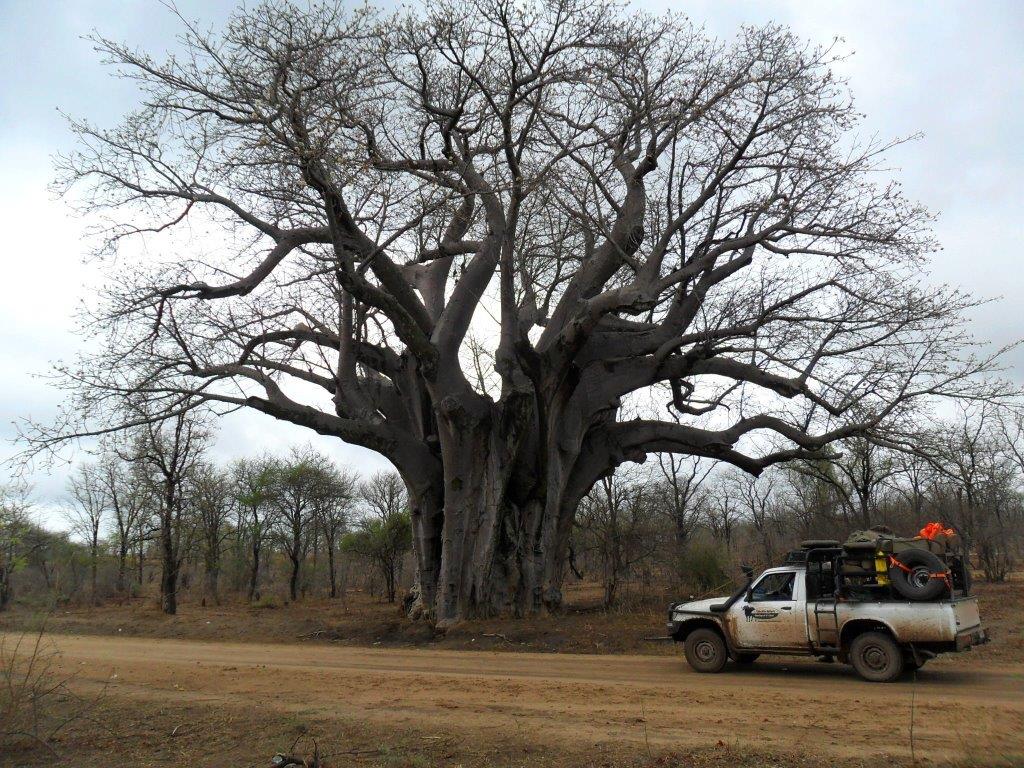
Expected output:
(627, 214)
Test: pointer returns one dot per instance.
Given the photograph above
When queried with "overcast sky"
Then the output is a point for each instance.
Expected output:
(952, 70)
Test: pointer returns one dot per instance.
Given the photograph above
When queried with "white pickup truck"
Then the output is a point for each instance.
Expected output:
(781, 613)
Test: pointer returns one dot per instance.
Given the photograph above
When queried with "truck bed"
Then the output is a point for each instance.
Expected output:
(926, 623)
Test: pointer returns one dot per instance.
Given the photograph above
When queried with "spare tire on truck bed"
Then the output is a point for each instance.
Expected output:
(917, 574)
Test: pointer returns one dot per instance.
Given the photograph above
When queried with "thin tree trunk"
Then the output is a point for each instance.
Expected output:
(122, 566)
(169, 564)
(331, 568)
(211, 583)
(94, 558)
(293, 582)
(141, 561)
(254, 574)
(5, 586)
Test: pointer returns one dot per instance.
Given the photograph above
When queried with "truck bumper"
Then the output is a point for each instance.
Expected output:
(971, 637)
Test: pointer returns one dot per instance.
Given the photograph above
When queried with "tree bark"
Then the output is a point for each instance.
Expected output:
(254, 573)
(168, 558)
(94, 547)
(6, 592)
(211, 583)
(122, 566)
(332, 572)
(293, 581)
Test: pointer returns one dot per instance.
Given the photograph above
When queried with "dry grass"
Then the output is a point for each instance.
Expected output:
(149, 735)
(121, 728)
(36, 702)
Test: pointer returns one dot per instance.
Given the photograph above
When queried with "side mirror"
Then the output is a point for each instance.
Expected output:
(748, 571)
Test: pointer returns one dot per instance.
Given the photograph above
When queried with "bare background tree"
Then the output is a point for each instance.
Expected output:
(492, 243)
(383, 535)
(90, 504)
(171, 451)
(333, 508)
(14, 533)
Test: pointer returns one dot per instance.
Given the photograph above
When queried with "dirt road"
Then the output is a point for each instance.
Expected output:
(550, 698)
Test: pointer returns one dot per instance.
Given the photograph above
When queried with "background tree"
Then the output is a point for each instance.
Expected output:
(640, 214)
(616, 519)
(131, 500)
(171, 449)
(333, 510)
(211, 496)
(301, 486)
(255, 495)
(14, 525)
(756, 499)
(89, 506)
(977, 467)
(383, 534)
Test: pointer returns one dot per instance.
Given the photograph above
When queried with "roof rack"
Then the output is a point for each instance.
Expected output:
(812, 554)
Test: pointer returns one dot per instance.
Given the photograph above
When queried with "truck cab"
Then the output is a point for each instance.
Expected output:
(794, 610)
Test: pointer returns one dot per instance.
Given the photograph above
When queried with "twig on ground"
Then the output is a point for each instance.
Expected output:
(643, 719)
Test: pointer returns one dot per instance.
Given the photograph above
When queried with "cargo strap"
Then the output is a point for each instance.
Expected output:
(944, 575)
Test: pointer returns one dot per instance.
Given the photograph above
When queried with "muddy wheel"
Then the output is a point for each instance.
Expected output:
(705, 651)
(746, 659)
(876, 657)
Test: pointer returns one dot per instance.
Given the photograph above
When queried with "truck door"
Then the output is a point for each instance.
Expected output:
(772, 615)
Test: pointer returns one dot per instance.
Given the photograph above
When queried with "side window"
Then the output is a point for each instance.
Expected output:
(774, 586)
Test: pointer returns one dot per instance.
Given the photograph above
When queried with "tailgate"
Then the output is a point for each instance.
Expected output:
(965, 613)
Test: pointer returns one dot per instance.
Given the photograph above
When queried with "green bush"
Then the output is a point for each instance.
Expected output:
(704, 566)
(265, 601)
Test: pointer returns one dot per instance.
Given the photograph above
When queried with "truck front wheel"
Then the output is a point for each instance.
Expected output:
(705, 651)
(876, 657)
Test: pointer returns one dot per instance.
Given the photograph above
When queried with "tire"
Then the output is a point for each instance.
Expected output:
(745, 659)
(705, 651)
(876, 657)
(918, 584)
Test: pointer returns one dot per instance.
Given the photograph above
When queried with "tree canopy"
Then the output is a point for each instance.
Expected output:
(510, 246)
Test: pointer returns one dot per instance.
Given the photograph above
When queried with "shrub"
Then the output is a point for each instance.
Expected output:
(704, 566)
(35, 702)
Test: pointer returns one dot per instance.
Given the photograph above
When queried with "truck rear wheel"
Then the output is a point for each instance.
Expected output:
(876, 657)
(705, 651)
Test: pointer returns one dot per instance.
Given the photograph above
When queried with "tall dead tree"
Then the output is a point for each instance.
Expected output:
(626, 212)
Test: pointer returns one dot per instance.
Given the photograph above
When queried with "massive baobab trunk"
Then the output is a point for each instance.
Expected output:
(510, 247)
